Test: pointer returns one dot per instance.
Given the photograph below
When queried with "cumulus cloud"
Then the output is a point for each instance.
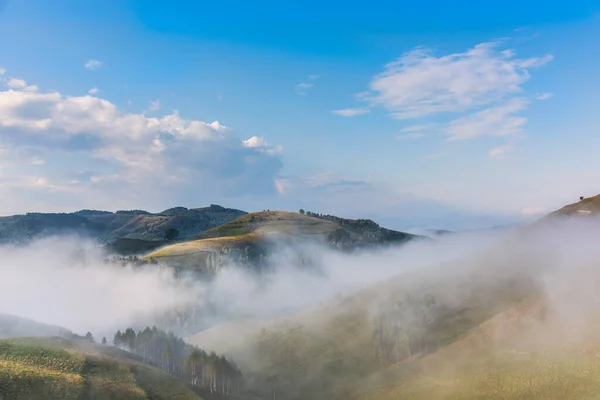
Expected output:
(92, 64)
(420, 84)
(262, 145)
(351, 112)
(126, 156)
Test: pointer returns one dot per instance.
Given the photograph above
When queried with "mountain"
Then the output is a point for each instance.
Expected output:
(517, 320)
(252, 238)
(58, 368)
(107, 227)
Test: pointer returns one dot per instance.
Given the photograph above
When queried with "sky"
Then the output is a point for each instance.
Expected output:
(417, 114)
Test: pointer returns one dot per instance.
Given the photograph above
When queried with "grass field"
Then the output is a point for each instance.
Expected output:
(54, 368)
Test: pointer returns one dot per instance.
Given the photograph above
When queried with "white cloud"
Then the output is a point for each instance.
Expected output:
(262, 145)
(500, 152)
(420, 84)
(499, 120)
(122, 156)
(351, 112)
(313, 77)
(2, 71)
(93, 90)
(543, 96)
(15, 83)
(414, 128)
(92, 64)
(302, 87)
(154, 105)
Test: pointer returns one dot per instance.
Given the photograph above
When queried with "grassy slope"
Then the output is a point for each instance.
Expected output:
(330, 352)
(321, 353)
(53, 368)
(246, 230)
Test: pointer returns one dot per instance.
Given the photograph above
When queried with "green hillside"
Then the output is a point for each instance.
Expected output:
(249, 238)
(55, 368)
(106, 227)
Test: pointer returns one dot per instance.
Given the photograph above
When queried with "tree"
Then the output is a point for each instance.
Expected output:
(171, 234)
(104, 341)
(89, 337)
(581, 198)
(302, 211)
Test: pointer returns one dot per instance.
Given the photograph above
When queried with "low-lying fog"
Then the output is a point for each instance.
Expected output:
(63, 280)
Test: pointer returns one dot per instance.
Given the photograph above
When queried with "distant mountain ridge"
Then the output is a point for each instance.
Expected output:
(106, 226)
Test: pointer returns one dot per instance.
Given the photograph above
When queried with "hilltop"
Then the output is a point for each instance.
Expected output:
(251, 237)
(148, 229)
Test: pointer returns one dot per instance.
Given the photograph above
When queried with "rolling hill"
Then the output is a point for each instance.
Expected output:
(479, 327)
(251, 237)
(13, 326)
(57, 368)
(107, 227)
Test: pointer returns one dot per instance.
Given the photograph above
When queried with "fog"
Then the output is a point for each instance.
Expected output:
(63, 281)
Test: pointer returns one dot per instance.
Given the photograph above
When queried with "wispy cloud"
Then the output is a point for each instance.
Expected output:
(500, 152)
(2, 71)
(301, 88)
(419, 84)
(499, 120)
(543, 96)
(154, 105)
(92, 64)
(93, 90)
(351, 112)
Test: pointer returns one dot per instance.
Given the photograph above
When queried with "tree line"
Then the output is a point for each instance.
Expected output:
(171, 354)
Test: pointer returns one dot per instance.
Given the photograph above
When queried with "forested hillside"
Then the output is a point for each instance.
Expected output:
(106, 227)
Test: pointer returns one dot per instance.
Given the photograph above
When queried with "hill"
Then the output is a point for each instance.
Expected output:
(13, 326)
(589, 206)
(480, 327)
(106, 227)
(251, 238)
(56, 368)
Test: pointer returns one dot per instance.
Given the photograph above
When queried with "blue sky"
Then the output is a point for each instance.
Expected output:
(416, 114)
